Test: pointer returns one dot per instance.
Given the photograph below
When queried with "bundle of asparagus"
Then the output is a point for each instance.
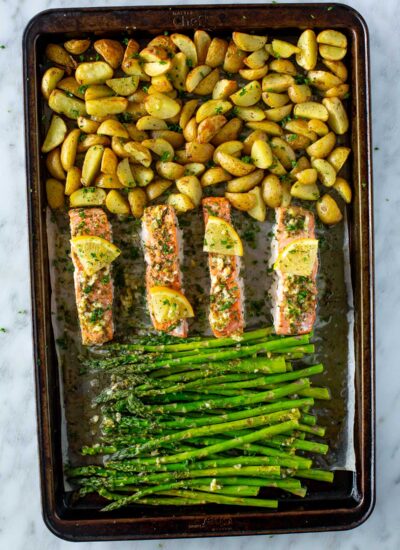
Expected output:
(204, 421)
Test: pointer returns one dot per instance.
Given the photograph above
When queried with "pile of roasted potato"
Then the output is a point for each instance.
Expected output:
(179, 115)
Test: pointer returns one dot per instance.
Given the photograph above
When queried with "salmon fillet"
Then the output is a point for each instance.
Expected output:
(294, 296)
(226, 315)
(160, 234)
(94, 293)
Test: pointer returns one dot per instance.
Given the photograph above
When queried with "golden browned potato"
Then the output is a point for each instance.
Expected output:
(69, 149)
(73, 181)
(93, 72)
(87, 196)
(137, 199)
(234, 58)
(62, 104)
(202, 41)
(55, 134)
(50, 79)
(190, 186)
(91, 164)
(110, 50)
(307, 57)
(57, 54)
(116, 203)
(76, 46)
(272, 191)
(216, 52)
(241, 201)
(180, 202)
(53, 164)
(259, 211)
(328, 211)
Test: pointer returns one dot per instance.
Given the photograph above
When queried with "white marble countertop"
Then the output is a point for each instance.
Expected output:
(21, 524)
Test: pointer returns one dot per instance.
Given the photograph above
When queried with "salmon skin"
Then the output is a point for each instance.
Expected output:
(94, 293)
(161, 242)
(226, 315)
(294, 296)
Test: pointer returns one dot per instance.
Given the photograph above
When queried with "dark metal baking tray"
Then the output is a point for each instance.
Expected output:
(351, 498)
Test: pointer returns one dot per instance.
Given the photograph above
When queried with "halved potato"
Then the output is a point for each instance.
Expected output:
(161, 83)
(259, 211)
(317, 126)
(137, 199)
(53, 164)
(311, 109)
(93, 72)
(278, 114)
(323, 80)
(275, 82)
(71, 86)
(77, 46)
(187, 112)
(286, 196)
(328, 211)
(169, 170)
(91, 164)
(283, 66)
(194, 169)
(157, 188)
(277, 168)
(249, 42)
(124, 86)
(174, 138)
(180, 202)
(267, 126)
(96, 91)
(332, 38)
(234, 58)
(138, 153)
(299, 93)
(161, 106)
(234, 166)
(190, 186)
(248, 95)
(108, 181)
(130, 62)
(124, 173)
(249, 114)
(109, 162)
(305, 192)
(216, 52)
(307, 57)
(87, 196)
(297, 142)
(116, 203)
(112, 127)
(332, 53)
(73, 181)
(338, 157)
(106, 106)
(272, 191)
(326, 172)
(253, 74)
(206, 86)
(251, 138)
(241, 201)
(199, 152)
(62, 104)
(338, 68)
(179, 71)
(261, 154)
(342, 186)
(284, 49)
(209, 127)
(154, 53)
(190, 130)
(320, 149)
(55, 193)
(117, 145)
(338, 119)
(110, 50)
(134, 133)
(143, 175)
(55, 134)
(245, 183)
(257, 59)
(307, 176)
(50, 79)
(273, 100)
(69, 149)
(57, 54)
(157, 68)
(298, 126)
(341, 91)
(148, 122)
(215, 175)
(202, 41)
(160, 147)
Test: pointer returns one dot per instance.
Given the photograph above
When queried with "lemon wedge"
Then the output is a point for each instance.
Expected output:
(221, 238)
(169, 305)
(298, 257)
(93, 252)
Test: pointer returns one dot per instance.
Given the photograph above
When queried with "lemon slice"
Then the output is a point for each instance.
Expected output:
(168, 305)
(221, 238)
(94, 253)
(298, 257)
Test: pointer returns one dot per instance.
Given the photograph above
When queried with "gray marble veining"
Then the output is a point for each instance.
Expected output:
(21, 525)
